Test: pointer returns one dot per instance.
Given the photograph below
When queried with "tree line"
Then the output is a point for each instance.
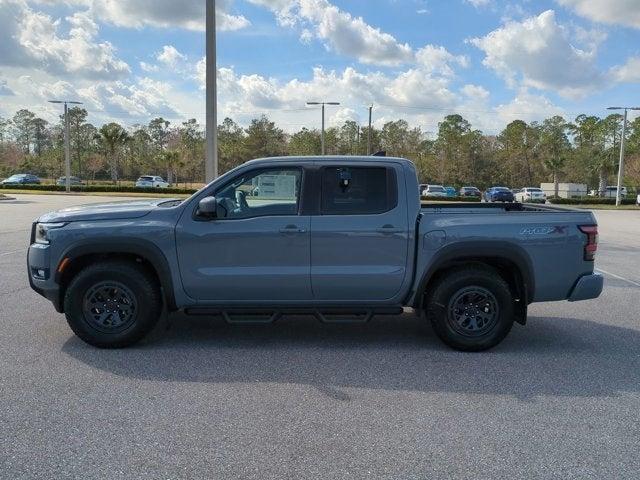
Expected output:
(584, 150)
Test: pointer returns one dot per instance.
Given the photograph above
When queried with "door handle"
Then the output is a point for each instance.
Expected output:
(389, 229)
(289, 229)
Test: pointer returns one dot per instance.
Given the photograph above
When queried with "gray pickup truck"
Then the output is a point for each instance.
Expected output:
(341, 238)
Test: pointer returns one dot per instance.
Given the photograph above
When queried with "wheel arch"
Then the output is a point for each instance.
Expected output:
(511, 261)
(136, 250)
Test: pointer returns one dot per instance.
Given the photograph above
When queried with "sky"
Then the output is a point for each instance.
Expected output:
(492, 61)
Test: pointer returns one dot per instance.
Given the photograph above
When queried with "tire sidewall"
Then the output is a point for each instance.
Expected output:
(146, 298)
(439, 302)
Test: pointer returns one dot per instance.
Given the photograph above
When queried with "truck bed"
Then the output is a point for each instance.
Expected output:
(492, 208)
(546, 238)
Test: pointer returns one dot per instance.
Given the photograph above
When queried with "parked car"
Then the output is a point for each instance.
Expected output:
(498, 194)
(360, 245)
(470, 192)
(612, 191)
(150, 181)
(434, 191)
(609, 192)
(450, 191)
(72, 180)
(531, 194)
(21, 179)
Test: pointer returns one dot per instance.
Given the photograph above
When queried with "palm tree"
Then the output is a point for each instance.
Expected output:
(170, 158)
(111, 137)
(554, 165)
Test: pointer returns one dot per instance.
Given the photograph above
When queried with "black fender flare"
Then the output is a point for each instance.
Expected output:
(478, 250)
(133, 246)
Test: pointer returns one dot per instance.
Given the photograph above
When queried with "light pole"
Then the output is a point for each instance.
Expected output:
(322, 131)
(621, 163)
(369, 132)
(67, 148)
(211, 160)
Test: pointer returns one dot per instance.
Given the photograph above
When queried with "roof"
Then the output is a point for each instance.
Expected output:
(314, 158)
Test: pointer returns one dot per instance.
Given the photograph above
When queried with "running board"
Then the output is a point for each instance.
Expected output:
(266, 315)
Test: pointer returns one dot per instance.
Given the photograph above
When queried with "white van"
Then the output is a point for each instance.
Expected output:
(611, 192)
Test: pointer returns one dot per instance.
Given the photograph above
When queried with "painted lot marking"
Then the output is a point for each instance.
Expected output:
(12, 252)
(618, 277)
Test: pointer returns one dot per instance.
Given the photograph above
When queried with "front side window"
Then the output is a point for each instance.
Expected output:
(272, 192)
(357, 190)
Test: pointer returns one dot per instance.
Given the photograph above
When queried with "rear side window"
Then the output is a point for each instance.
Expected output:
(358, 190)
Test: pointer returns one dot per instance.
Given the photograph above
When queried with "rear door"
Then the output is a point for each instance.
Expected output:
(359, 239)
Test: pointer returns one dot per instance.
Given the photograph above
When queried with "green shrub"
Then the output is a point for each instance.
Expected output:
(591, 201)
(98, 188)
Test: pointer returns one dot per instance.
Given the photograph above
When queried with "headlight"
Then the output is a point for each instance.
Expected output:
(42, 231)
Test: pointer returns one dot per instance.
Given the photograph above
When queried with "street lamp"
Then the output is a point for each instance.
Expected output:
(621, 163)
(322, 131)
(67, 149)
(211, 159)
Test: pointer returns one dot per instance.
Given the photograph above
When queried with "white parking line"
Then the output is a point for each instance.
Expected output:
(618, 277)
(12, 252)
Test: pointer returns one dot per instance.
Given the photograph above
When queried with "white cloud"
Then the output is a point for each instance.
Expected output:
(528, 107)
(437, 59)
(538, 52)
(148, 67)
(410, 88)
(629, 72)
(341, 32)
(612, 12)
(144, 99)
(306, 36)
(188, 14)
(479, 3)
(342, 115)
(475, 92)
(170, 56)
(33, 39)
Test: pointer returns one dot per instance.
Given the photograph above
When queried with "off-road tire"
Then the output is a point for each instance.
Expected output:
(446, 302)
(138, 284)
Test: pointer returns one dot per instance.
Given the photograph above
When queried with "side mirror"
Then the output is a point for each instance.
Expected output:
(208, 207)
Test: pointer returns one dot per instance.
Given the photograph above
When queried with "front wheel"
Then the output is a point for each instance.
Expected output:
(471, 308)
(112, 304)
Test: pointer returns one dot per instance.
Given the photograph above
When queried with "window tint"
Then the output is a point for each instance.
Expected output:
(262, 193)
(357, 190)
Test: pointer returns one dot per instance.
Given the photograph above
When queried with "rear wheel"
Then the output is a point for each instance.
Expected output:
(112, 304)
(471, 308)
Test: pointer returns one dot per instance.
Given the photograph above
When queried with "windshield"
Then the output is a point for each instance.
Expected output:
(435, 188)
(534, 190)
(145, 179)
(501, 189)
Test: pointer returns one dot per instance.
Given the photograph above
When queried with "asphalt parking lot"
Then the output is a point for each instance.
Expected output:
(559, 398)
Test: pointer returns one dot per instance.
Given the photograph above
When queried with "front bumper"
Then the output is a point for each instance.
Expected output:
(587, 286)
(41, 276)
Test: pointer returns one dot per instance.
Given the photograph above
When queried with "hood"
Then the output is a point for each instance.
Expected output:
(104, 211)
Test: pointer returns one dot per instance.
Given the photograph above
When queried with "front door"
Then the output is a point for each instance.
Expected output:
(359, 242)
(257, 249)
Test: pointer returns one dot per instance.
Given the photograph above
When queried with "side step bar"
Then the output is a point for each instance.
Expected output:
(266, 315)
